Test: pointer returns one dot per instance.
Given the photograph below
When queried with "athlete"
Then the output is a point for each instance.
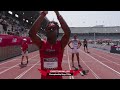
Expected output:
(75, 49)
(51, 51)
(85, 44)
(24, 48)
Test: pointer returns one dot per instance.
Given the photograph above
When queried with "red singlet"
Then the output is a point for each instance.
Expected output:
(51, 58)
(24, 46)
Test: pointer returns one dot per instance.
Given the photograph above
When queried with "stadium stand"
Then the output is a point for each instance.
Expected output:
(11, 26)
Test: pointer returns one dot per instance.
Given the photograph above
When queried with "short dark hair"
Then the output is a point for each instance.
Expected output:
(75, 35)
(56, 24)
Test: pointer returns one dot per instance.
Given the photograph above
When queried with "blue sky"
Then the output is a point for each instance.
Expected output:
(88, 18)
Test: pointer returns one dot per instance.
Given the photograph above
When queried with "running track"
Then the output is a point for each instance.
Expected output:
(101, 65)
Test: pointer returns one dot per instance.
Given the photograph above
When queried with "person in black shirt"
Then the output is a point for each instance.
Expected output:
(85, 44)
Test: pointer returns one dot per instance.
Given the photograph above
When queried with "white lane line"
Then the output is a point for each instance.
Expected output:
(8, 61)
(12, 59)
(106, 59)
(115, 54)
(19, 66)
(110, 55)
(15, 65)
(103, 64)
(22, 74)
(71, 77)
(96, 76)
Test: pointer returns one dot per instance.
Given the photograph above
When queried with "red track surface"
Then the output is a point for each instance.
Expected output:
(101, 65)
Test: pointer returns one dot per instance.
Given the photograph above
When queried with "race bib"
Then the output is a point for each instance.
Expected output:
(50, 63)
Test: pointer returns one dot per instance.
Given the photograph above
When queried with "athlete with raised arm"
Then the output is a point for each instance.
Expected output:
(51, 51)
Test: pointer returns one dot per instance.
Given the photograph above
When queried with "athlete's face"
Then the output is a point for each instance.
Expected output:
(75, 37)
(51, 31)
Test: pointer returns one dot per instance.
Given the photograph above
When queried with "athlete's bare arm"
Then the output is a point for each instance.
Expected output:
(79, 44)
(69, 44)
(66, 29)
(86, 42)
(36, 27)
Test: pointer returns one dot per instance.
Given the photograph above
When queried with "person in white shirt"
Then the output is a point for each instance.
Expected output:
(75, 49)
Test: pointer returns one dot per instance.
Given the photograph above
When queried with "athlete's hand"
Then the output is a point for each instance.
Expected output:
(46, 12)
(57, 13)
